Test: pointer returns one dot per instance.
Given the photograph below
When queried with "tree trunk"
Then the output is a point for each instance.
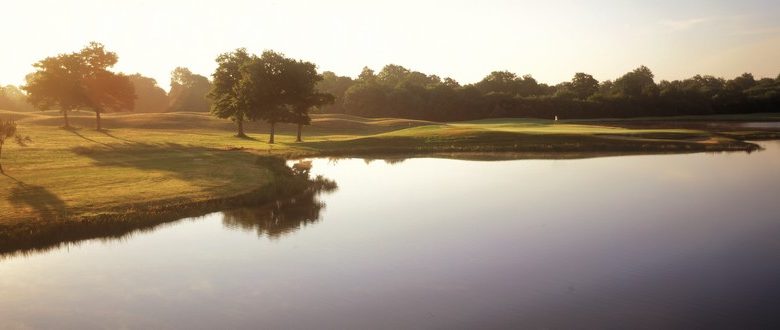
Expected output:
(67, 122)
(240, 122)
(271, 140)
(97, 117)
(300, 126)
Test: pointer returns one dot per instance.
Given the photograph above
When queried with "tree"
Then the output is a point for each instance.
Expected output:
(451, 83)
(742, 83)
(150, 97)
(637, 83)
(188, 91)
(300, 113)
(107, 92)
(7, 131)
(367, 75)
(392, 75)
(337, 86)
(12, 98)
(365, 99)
(103, 90)
(263, 84)
(80, 80)
(300, 80)
(527, 86)
(56, 83)
(229, 100)
(584, 85)
(504, 82)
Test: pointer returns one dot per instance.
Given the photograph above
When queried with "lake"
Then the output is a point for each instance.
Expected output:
(663, 241)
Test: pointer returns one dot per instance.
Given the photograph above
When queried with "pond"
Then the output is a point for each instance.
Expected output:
(680, 241)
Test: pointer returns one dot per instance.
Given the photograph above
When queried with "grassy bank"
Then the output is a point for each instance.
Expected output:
(149, 166)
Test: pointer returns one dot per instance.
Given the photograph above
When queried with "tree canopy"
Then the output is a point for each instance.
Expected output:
(80, 80)
(150, 97)
(13, 98)
(188, 91)
(269, 87)
(229, 100)
(506, 94)
(276, 89)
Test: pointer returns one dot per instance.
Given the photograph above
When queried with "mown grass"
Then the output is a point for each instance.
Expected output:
(146, 164)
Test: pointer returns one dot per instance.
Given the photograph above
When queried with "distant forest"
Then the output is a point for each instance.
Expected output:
(399, 92)
(396, 91)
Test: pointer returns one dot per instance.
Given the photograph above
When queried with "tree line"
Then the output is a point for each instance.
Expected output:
(269, 87)
(277, 89)
(396, 91)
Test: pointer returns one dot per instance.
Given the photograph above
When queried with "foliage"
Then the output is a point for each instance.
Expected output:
(229, 101)
(80, 80)
(188, 91)
(150, 97)
(399, 92)
(269, 87)
(13, 98)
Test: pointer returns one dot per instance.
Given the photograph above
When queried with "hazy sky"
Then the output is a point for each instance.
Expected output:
(462, 39)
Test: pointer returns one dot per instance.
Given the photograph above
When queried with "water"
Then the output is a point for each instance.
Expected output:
(762, 125)
(672, 241)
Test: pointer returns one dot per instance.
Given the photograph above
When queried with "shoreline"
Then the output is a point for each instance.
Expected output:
(28, 237)
(16, 240)
(70, 185)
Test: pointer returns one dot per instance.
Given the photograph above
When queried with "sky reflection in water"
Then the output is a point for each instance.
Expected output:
(638, 241)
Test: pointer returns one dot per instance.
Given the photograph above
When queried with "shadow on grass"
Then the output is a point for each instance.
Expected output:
(108, 133)
(271, 214)
(75, 131)
(215, 170)
(246, 137)
(45, 203)
(183, 161)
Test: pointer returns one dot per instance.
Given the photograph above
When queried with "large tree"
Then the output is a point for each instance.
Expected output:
(108, 92)
(504, 82)
(228, 92)
(80, 80)
(56, 83)
(300, 79)
(637, 83)
(263, 84)
(103, 90)
(302, 107)
(584, 85)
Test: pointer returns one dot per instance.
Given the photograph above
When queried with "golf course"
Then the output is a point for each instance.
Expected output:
(158, 166)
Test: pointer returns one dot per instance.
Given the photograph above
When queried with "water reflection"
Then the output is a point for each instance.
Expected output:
(282, 217)
(682, 241)
(272, 219)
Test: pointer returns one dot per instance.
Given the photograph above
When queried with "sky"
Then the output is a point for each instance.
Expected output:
(465, 40)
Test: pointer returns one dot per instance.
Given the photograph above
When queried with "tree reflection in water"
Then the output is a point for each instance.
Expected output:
(276, 219)
(284, 216)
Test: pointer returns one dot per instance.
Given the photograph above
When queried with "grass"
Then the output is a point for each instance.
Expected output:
(150, 164)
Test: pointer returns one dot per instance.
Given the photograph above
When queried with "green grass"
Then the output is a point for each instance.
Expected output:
(145, 163)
